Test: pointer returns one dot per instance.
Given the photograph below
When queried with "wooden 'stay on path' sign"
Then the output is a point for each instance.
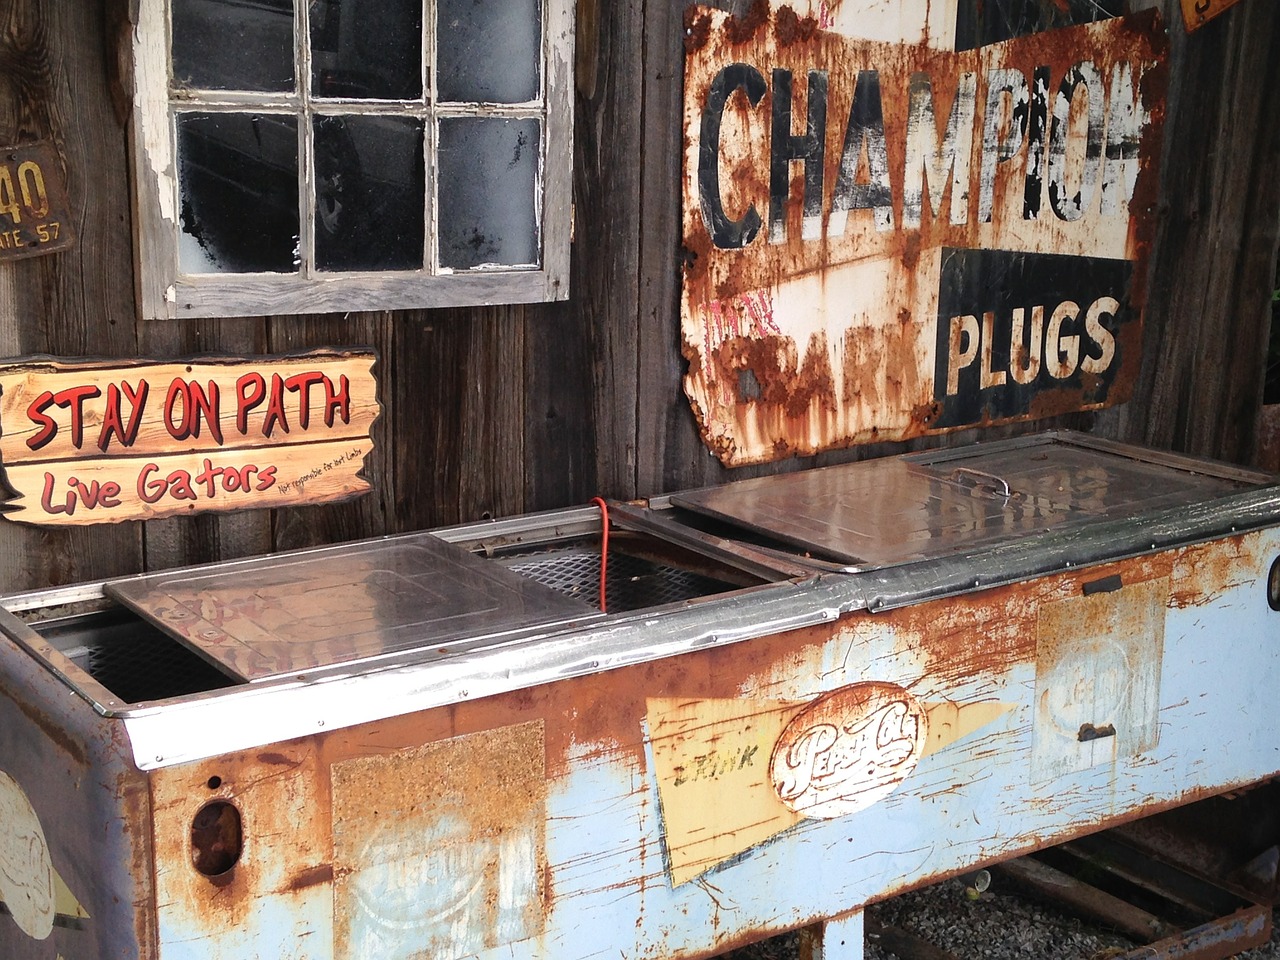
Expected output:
(105, 441)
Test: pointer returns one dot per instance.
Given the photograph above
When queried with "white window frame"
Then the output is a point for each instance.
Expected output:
(165, 292)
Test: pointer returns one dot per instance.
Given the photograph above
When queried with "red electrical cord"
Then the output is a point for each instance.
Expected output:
(604, 547)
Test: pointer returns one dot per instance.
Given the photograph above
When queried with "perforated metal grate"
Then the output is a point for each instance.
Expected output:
(131, 658)
(632, 583)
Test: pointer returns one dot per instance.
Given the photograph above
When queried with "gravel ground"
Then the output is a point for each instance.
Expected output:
(998, 925)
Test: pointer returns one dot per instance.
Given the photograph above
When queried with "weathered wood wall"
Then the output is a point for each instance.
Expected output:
(501, 410)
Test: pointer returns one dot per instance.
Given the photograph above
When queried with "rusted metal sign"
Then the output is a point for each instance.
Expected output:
(1199, 12)
(887, 239)
(35, 215)
(102, 442)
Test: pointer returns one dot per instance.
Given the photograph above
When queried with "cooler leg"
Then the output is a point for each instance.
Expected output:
(841, 938)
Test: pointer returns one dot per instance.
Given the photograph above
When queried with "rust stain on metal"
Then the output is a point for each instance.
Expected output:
(697, 29)
(277, 759)
(441, 849)
(943, 644)
(1205, 571)
(783, 381)
(283, 815)
(56, 734)
(742, 29)
(132, 787)
(985, 633)
(1098, 667)
(792, 28)
(312, 876)
(825, 176)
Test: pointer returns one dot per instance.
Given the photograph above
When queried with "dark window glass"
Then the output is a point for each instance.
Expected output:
(233, 44)
(489, 50)
(238, 176)
(370, 193)
(487, 192)
(370, 49)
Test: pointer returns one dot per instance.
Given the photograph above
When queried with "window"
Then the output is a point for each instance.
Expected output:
(304, 156)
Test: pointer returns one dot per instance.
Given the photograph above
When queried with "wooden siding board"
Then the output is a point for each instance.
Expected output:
(672, 454)
(559, 425)
(491, 482)
(78, 302)
(665, 429)
(608, 143)
(455, 388)
(367, 515)
(1213, 268)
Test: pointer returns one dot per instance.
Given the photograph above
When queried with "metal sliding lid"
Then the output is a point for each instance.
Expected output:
(879, 513)
(274, 616)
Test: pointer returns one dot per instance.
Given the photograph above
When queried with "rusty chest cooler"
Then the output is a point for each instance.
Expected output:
(808, 692)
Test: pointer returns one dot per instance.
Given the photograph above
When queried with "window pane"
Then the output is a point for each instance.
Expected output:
(238, 181)
(370, 197)
(371, 49)
(487, 192)
(233, 44)
(489, 50)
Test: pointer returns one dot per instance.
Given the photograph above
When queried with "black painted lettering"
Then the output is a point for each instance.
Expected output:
(1083, 77)
(725, 233)
(809, 148)
(864, 135)
(1037, 122)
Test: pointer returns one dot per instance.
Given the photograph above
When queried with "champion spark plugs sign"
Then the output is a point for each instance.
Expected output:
(105, 442)
(905, 232)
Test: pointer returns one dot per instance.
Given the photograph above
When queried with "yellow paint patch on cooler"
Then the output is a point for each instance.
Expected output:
(65, 903)
(950, 721)
(712, 758)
